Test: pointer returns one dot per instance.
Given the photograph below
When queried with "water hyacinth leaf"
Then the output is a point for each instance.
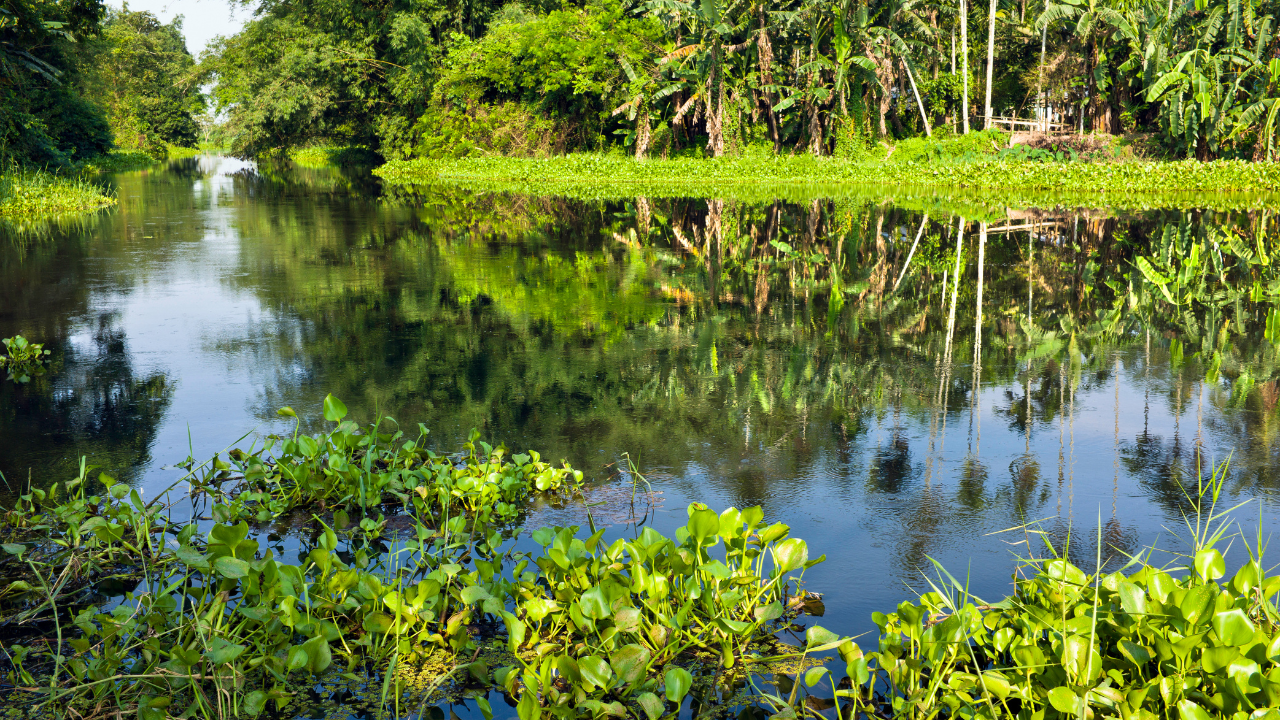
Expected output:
(1216, 659)
(703, 523)
(813, 676)
(221, 651)
(14, 549)
(544, 536)
(334, 410)
(319, 657)
(538, 608)
(297, 658)
(651, 704)
(769, 612)
(231, 567)
(1080, 659)
(568, 669)
(630, 662)
(1133, 599)
(1233, 627)
(485, 709)
(1065, 701)
(818, 638)
(286, 411)
(857, 669)
(528, 707)
(1066, 572)
(1210, 565)
(1188, 710)
(254, 703)
(678, 683)
(593, 604)
(472, 594)
(1135, 653)
(1196, 603)
(790, 554)
(595, 671)
(732, 627)
(1247, 577)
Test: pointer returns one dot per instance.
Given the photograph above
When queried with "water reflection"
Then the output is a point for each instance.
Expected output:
(897, 384)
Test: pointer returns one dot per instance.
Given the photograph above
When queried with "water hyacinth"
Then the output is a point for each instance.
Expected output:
(213, 624)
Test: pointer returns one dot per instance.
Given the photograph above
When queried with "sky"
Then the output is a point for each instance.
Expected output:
(202, 19)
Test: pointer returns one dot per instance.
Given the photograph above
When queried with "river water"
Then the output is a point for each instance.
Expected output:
(801, 356)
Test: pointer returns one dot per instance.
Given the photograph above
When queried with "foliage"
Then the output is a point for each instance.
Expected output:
(318, 156)
(361, 471)
(26, 194)
(233, 623)
(921, 165)
(627, 629)
(479, 130)
(140, 72)
(1198, 76)
(44, 120)
(120, 161)
(1158, 642)
(23, 360)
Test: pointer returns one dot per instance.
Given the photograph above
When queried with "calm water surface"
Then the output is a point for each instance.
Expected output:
(737, 354)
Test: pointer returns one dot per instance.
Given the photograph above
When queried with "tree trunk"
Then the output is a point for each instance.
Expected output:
(643, 133)
(1040, 99)
(923, 117)
(964, 62)
(764, 49)
(991, 59)
(713, 105)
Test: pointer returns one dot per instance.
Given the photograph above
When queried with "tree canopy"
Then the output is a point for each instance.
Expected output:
(414, 77)
(76, 79)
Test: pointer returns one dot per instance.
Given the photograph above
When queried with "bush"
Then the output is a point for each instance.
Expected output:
(509, 129)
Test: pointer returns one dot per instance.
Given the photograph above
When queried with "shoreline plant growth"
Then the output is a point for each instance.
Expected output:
(1085, 182)
(27, 194)
(209, 623)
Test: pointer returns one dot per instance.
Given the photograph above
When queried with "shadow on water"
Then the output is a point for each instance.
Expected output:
(816, 358)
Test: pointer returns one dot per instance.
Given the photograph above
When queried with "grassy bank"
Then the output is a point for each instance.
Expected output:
(983, 179)
(32, 194)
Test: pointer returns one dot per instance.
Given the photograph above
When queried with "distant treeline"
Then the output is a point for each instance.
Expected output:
(78, 79)
(444, 78)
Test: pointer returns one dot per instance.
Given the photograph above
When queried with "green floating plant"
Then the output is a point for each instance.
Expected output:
(23, 360)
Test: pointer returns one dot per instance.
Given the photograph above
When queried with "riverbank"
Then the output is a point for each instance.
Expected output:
(1008, 181)
(31, 194)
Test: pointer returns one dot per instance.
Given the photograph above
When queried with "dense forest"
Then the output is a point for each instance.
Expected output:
(451, 78)
(78, 79)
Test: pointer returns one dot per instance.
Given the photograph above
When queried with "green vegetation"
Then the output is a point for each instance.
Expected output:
(667, 77)
(627, 617)
(76, 82)
(1034, 183)
(27, 194)
(218, 626)
(139, 72)
(320, 156)
(1161, 641)
(22, 359)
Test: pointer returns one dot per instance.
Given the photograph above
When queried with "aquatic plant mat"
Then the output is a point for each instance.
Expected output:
(987, 181)
(409, 591)
(27, 195)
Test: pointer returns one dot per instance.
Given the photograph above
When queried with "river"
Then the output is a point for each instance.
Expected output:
(817, 358)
